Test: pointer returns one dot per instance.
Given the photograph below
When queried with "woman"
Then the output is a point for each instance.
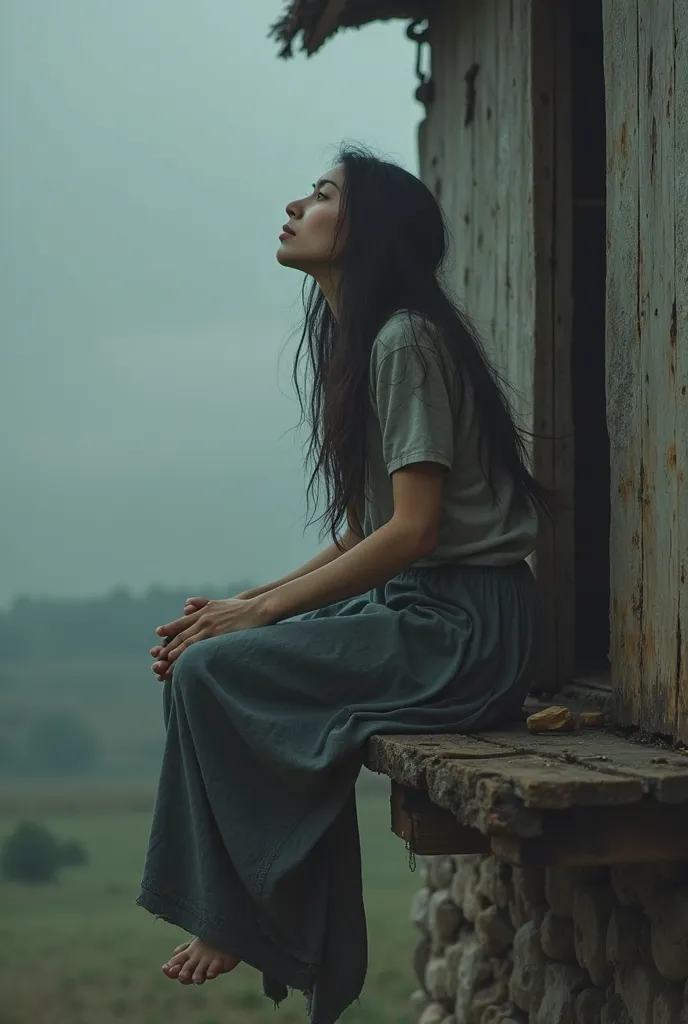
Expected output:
(419, 617)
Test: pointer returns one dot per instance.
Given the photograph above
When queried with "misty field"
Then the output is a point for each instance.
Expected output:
(81, 951)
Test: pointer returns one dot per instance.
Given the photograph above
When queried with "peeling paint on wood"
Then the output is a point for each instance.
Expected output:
(647, 345)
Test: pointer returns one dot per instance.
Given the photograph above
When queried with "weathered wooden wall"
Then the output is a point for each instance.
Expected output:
(488, 149)
(646, 72)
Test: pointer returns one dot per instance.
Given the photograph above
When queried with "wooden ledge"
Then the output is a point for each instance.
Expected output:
(581, 798)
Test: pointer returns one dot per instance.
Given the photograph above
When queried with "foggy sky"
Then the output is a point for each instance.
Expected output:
(148, 150)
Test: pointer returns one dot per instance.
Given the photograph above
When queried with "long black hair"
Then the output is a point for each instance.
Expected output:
(395, 248)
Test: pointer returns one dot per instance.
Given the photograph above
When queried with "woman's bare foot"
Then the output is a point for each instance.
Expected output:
(195, 962)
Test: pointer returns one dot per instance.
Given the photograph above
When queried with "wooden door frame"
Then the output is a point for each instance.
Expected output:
(553, 445)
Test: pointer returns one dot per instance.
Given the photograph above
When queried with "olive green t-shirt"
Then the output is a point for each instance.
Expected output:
(419, 415)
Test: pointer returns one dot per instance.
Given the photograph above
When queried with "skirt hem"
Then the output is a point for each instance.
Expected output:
(177, 911)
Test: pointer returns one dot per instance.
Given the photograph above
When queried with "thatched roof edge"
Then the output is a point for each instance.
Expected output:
(303, 17)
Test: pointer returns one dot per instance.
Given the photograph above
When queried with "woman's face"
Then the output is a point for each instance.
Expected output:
(307, 242)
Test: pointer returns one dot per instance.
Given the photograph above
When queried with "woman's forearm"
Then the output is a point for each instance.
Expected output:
(369, 563)
(348, 540)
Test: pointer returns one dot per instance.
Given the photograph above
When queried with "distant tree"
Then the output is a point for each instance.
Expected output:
(73, 854)
(60, 743)
(33, 854)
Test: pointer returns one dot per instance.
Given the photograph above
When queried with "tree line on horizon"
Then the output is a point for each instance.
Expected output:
(78, 627)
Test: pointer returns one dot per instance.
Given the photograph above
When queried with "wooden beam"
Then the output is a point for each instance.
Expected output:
(639, 833)
(429, 830)
(629, 834)
(326, 25)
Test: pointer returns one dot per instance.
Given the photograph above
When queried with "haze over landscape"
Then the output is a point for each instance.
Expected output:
(149, 151)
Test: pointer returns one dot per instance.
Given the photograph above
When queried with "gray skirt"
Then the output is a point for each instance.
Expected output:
(254, 842)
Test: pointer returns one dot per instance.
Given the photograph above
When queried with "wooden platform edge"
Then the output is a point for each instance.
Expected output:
(643, 832)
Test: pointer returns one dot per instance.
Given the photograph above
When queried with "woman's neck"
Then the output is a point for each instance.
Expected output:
(328, 281)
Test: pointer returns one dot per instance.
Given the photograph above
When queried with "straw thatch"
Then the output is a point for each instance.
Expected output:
(303, 18)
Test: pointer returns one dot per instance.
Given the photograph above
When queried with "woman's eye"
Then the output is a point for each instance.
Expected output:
(321, 195)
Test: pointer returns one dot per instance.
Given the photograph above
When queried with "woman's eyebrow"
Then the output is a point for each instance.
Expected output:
(325, 181)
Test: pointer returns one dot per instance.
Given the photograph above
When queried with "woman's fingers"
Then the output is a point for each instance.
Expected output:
(179, 625)
(162, 670)
(174, 634)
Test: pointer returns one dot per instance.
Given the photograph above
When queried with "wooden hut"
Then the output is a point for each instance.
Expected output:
(556, 138)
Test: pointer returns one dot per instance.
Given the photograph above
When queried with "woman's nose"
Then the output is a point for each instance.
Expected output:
(292, 208)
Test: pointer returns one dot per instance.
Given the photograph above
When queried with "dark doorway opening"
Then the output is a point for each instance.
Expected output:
(591, 467)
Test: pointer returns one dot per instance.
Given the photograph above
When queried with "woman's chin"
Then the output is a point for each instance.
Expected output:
(284, 257)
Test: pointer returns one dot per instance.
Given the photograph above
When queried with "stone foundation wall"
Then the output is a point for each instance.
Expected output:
(502, 945)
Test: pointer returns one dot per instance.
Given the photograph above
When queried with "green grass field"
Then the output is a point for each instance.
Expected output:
(81, 951)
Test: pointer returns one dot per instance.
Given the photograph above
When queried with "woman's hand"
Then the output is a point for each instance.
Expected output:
(213, 618)
(162, 668)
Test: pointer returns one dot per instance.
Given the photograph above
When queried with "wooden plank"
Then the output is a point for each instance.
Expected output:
(562, 329)
(531, 772)
(484, 182)
(640, 833)
(502, 793)
(517, 83)
(623, 371)
(663, 773)
(428, 829)
(494, 69)
(542, 70)
(405, 758)
(658, 358)
(681, 264)
(544, 784)
(460, 114)
(507, 156)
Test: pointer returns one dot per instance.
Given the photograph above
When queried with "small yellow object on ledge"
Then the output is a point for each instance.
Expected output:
(591, 719)
(555, 719)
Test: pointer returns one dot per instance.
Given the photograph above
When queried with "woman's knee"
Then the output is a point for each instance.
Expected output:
(192, 666)
(217, 654)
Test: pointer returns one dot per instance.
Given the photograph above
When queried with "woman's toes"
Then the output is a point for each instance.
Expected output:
(179, 959)
(185, 974)
(175, 964)
(216, 967)
(199, 975)
(187, 971)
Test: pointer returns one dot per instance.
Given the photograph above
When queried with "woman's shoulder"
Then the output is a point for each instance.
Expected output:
(404, 329)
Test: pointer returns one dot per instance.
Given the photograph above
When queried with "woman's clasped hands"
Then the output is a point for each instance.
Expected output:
(203, 618)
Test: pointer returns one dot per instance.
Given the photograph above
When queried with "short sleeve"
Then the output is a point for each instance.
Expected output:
(413, 405)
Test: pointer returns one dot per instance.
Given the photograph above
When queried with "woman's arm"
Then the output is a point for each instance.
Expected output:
(348, 540)
(410, 534)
